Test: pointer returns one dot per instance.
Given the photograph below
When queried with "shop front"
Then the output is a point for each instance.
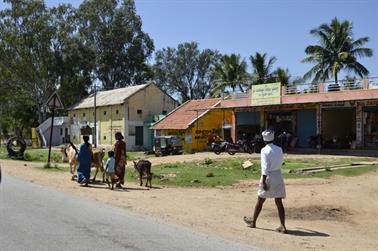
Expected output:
(338, 127)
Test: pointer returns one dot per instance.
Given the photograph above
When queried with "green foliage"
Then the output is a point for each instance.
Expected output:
(208, 161)
(186, 70)
(113, 31)
(231, 72)
(262, 68)
(226, 172)
(335, 51)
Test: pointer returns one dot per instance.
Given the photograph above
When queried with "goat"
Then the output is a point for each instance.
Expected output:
(144, 167)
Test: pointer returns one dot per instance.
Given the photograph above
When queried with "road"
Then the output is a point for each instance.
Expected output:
(34, 217)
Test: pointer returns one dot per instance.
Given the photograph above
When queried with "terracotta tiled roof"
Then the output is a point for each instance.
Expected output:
(186, 114)
(233, 103)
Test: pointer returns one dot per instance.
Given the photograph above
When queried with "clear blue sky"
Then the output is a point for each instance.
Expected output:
(278, 27)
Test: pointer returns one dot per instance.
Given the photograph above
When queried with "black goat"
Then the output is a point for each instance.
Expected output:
(144, 167)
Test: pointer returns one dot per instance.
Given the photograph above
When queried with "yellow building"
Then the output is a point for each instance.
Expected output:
(195, 121)
(130, 110)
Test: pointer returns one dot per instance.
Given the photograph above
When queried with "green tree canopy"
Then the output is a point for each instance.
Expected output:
(185, 71)
(113, 30)
(336, 50)
(230, 72)
(262, 68)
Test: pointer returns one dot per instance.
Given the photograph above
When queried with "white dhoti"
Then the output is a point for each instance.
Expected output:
(276, 186)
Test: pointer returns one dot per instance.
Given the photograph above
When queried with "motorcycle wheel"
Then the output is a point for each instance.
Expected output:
(231, 151)
(217, 150)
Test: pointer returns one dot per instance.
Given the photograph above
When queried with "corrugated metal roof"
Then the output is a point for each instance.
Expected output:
(111, 97)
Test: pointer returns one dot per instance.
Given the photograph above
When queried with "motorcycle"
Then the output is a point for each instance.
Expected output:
(241, 145)
(257, 144)
(219, 147)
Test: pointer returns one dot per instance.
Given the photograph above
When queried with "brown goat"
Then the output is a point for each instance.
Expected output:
(144, 167)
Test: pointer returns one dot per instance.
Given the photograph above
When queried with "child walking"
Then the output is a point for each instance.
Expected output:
(110, 169)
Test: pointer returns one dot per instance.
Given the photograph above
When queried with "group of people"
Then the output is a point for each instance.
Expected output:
(115, 165)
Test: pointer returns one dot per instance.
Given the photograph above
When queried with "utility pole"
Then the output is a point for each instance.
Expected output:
(94, 134)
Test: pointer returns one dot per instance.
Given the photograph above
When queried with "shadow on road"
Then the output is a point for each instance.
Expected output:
(301, 232)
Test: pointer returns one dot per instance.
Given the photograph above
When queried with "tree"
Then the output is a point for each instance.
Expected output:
(335, 51)
(27, 57)
(262, 68)
(113, 30)
(231, 72)
(185, 71)
(283, 76)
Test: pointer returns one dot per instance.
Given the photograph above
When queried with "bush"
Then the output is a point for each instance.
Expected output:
(27, 157)
(208, 161)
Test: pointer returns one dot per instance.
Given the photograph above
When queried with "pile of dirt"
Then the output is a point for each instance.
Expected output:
(310, 213)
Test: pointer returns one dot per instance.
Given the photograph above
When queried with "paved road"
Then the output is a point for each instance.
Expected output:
(33, 217)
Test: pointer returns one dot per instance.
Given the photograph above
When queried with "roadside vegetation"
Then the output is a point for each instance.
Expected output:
(226, 172)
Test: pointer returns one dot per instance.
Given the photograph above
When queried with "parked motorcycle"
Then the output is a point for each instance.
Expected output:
(219, 146)
(241, 145)
(257, 144)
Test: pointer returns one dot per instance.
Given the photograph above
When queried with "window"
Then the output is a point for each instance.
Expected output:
(83, 114)
(104, 137)
(61, 131)
(74, 115)
(117, 111)
(131, 130)
(139, 111)
(104, 113)
(164, 112)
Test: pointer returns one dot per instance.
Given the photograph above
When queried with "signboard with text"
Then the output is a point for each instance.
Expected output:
(266, 94)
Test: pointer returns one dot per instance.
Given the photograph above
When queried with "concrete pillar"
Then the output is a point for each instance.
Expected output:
(318, 119)
(359, 130)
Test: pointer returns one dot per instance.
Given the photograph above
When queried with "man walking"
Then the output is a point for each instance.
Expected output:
(271, 183)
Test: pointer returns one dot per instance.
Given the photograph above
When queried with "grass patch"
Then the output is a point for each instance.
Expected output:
(225, 172)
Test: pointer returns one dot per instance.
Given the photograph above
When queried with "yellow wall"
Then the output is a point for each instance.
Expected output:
(210, 123)
(151, 100)
(108, 122)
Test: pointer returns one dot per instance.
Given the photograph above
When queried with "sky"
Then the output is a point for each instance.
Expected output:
(278, 27)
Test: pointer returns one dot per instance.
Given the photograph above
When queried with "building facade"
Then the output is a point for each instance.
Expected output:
(129, 110)
(343, 115)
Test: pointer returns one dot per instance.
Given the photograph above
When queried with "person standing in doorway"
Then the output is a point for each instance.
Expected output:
(85, 160)
(120, 159)
(271, 183)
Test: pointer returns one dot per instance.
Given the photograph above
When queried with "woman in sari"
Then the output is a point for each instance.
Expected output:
(120, 159)
(85, 160)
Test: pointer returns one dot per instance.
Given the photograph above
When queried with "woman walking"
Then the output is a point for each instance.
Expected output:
(120, 159)
(271, 183)
(85, 160)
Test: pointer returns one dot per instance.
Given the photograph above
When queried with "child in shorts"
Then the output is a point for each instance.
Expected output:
(110, 169)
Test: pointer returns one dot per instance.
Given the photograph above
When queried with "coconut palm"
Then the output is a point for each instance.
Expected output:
(231, 72)
(336, 50)
(283, 76)
(262, 68)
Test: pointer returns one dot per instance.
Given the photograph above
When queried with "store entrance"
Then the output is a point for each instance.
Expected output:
(338, 127)
(370, 129)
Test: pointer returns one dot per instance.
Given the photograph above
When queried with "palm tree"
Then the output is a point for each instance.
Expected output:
(262, 68)
(335, 51)
(283, 76)
(231, 71)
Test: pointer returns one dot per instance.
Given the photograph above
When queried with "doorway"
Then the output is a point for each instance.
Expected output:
(139, 135)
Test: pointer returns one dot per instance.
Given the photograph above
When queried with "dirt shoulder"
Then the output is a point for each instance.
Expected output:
(340, 213)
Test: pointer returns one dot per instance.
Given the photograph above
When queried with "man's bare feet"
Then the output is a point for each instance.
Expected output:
(249, 221)
(281, 229)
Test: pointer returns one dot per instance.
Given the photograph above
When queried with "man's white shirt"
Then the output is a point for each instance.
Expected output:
(271, 159)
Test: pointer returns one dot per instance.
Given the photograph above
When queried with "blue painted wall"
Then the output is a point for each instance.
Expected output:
(306, 126)
(247, 118)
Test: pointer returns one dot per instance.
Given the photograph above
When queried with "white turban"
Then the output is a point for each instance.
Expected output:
(268, 135)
